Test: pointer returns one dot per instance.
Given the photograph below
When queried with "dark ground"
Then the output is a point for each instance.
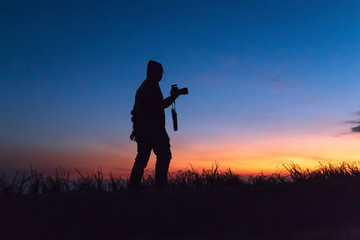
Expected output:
(284, 211)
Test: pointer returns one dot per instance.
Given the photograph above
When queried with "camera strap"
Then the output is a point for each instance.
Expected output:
(174, 116)
(173, 106)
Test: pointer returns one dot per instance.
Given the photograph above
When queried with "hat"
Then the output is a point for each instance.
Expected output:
(154, 67)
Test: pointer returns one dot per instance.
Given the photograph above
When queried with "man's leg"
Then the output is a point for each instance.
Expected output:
(163, 157)
(141, 160)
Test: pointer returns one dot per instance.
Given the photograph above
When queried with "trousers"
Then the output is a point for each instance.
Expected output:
(159, 142)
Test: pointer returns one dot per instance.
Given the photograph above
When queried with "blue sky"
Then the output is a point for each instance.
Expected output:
(256, 71)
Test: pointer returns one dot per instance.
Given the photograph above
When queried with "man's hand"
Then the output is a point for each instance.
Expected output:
(174, 92)
(132, 136)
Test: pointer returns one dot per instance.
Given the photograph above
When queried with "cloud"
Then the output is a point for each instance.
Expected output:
(353, 121)
(355, 129)
(280, 86)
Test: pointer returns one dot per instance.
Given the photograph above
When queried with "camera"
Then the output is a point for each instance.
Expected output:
(175, 89)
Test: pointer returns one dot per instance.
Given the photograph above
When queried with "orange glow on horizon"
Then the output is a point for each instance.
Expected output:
(267, 156)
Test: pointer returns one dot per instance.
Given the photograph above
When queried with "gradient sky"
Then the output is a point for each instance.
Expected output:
(269, 82)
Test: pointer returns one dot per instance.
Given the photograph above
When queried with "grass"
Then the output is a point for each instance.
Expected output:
(299, 203)
(30, 181)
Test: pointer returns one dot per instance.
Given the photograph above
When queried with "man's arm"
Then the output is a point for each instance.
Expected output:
(169, 100)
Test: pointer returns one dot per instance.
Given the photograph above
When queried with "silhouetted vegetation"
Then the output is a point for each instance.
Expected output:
(35, 182)
(320, 203)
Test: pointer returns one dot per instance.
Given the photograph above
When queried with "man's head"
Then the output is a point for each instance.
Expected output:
(154, 71)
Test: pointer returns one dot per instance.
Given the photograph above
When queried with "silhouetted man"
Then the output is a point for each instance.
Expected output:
(149, 127)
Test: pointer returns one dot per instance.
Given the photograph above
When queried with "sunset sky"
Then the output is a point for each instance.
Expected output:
(269, 82)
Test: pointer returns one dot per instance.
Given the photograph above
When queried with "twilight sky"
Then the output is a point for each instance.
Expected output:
(269, 82)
